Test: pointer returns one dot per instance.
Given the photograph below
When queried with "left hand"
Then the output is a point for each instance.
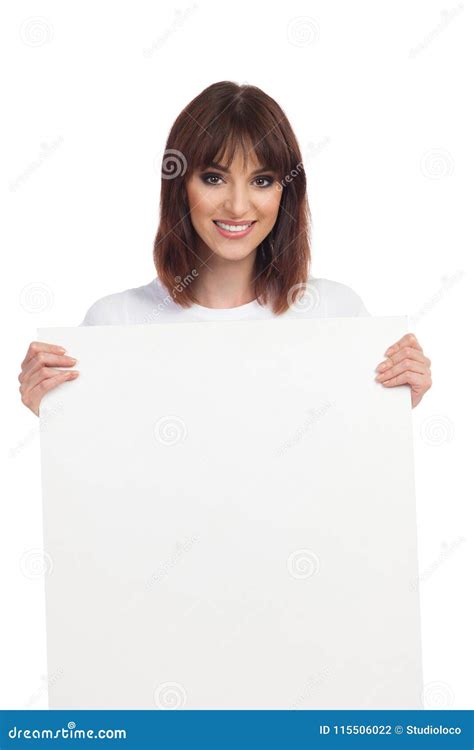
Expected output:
(406, 363)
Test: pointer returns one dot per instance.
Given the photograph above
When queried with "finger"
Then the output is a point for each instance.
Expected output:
(406, 353)
(41, 346)
(409, 339)
(48, 384)
(45, 358)
(411, 378)
(38, 375)
(403, 366)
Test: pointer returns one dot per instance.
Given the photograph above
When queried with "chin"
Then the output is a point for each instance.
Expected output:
(233, 253)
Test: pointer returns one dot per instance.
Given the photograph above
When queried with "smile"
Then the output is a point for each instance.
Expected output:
(234, 229)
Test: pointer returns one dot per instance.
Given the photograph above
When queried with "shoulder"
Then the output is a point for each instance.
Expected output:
(122, 308)
(334, 299)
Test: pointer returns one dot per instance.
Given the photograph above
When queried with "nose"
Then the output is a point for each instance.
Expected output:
(237, 200)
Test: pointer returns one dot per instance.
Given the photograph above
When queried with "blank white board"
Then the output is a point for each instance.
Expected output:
(229, 515)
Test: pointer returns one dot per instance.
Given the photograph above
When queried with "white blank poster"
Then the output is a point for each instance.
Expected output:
(229, 515)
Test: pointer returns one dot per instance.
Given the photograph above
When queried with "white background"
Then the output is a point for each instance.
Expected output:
(378, 95)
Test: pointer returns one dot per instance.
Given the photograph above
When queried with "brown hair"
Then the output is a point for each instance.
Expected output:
(222, 118)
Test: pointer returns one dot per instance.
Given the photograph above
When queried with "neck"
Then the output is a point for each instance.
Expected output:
(225, 283)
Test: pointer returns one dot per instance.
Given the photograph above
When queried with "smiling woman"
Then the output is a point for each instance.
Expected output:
(238, 148)
(233, 239)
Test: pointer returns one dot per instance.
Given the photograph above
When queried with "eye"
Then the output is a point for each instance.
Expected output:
(270, 181)
(209, 176)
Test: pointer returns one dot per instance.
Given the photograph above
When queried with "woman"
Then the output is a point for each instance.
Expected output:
(232, 241)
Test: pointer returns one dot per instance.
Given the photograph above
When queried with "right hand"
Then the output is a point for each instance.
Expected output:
(38, 374)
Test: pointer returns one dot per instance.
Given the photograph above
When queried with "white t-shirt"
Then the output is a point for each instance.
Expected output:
(152, 303)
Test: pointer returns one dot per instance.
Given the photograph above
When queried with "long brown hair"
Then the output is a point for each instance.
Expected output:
(224, 117)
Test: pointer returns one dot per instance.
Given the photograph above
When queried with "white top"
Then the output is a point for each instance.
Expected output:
(152, 303)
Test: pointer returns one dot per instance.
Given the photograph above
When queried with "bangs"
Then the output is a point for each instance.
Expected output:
(239, 131)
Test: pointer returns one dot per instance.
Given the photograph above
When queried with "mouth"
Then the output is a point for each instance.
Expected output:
(233, 229)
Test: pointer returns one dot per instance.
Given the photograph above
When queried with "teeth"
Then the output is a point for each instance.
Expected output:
(232, 228)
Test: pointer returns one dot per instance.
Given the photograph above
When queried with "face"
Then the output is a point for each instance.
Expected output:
(220, 201)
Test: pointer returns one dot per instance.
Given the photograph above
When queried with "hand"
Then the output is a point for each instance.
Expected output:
(38, 375)
(406, 363)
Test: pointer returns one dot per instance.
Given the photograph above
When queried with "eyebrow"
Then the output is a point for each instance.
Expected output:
(215, 165)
